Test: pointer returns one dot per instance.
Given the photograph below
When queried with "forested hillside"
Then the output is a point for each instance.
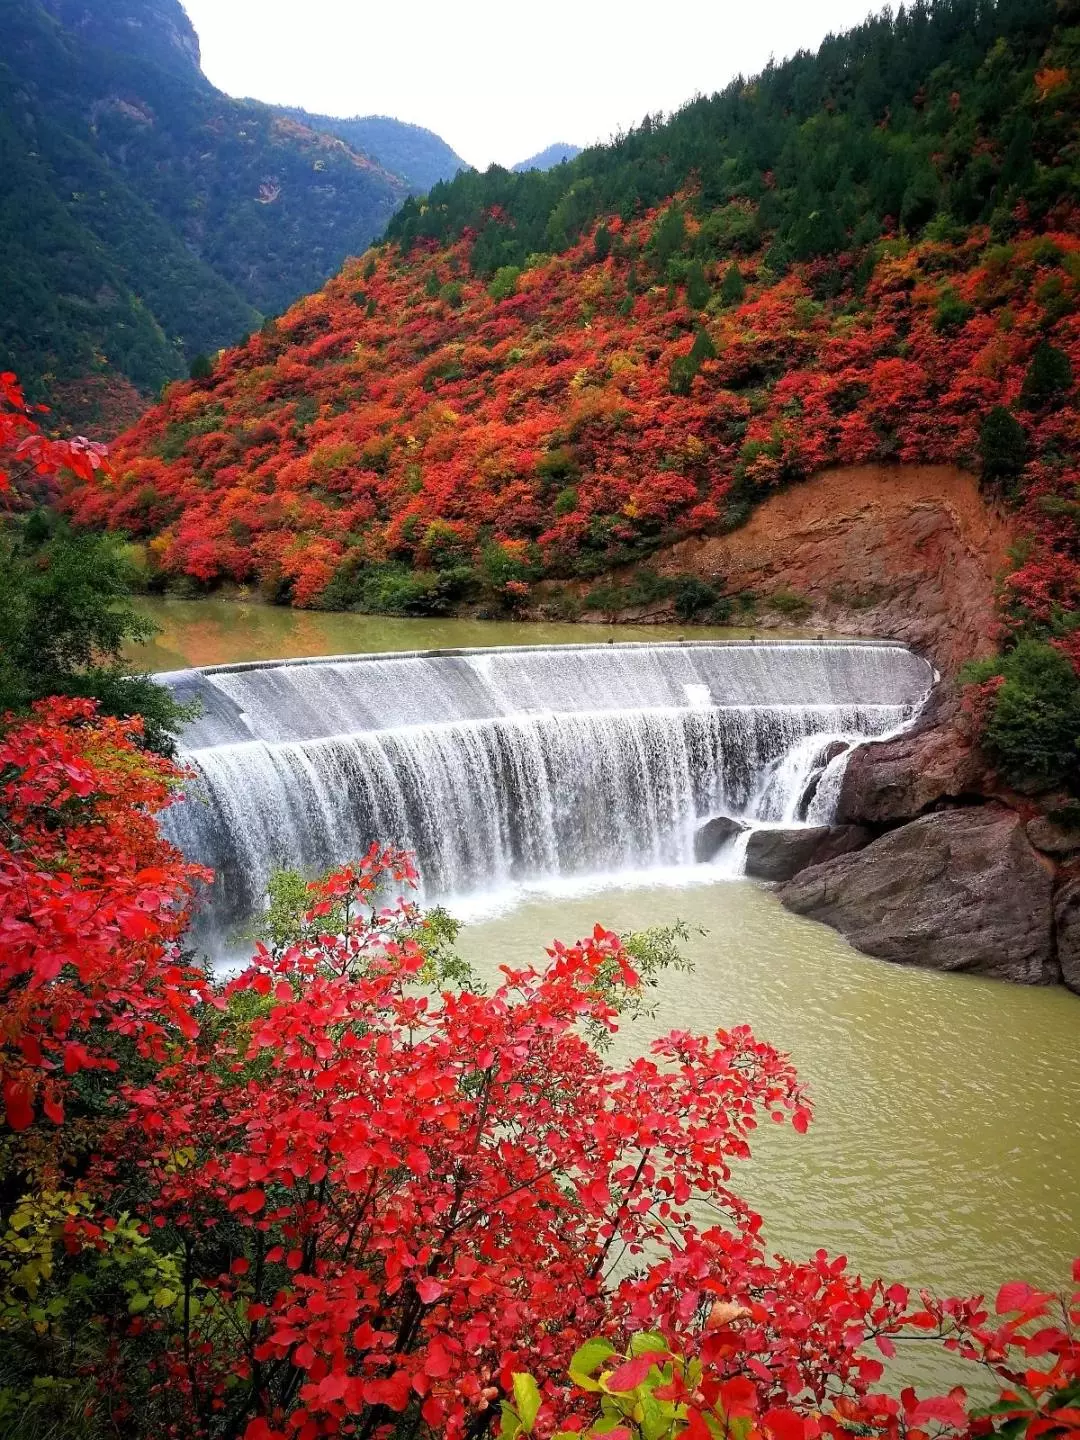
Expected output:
(420, 157)
(145, 217)
(551, 374)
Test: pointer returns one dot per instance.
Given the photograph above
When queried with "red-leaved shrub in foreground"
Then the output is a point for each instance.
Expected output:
(346, 1194)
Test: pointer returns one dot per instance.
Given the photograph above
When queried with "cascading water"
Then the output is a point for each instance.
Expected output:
(504, 766)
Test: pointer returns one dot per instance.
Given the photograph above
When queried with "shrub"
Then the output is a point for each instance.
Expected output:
(392, 590)
(504, 282)
(951, 313)
(202, 368)
(692, 596)
(788, 602)
(1032, 726)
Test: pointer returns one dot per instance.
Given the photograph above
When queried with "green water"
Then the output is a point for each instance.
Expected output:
(945, 1149)
(220, 632)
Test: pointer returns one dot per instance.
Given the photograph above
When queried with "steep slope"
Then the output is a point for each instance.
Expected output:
(418, 434)
(148, 217)
(420, 157)
(551, 155)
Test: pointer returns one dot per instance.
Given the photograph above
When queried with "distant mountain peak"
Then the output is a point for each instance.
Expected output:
(549, 158)
(419, 156)
(154, 30)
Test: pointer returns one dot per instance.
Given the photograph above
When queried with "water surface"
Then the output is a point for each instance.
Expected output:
(224, 632)
(943, 1151)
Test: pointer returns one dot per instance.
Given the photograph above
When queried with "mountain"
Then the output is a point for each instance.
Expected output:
(420, 157)
(869, 256)
(145, 217)
(547, 159)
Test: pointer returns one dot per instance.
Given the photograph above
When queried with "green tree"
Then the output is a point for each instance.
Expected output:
(202, 367)
(733, 287)
(1002, 448)
(1048, 376)
(65, 617)
(1033, 729)
(697, 287)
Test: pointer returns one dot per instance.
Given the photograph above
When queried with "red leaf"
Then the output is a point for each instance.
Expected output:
(1014, 1296)
(436, 1361)
(18, 1106)
(632, 1372)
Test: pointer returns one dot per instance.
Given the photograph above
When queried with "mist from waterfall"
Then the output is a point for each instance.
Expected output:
(520, 766)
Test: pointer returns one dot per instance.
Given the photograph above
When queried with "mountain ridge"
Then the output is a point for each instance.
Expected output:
(146, 217)
(448, 424)
(547, 158)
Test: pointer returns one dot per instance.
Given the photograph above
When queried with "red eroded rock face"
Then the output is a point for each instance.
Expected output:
(901, 552)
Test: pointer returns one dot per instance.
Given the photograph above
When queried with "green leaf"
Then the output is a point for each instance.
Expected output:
(647, 1341)
(138, 1303)
(509, 1425)
(164, 1297)
(588, 1359)
(527, 1399)
(656, 1417)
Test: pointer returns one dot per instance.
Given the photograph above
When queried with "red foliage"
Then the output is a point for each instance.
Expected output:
(25, 447)
(92, 905)
(387, 1194)
(342, 433)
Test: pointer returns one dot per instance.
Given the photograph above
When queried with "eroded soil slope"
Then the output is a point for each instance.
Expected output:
(901, 552)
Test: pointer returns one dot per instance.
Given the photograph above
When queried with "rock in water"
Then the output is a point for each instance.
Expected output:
(891, 781)
(955, 890)
(778, 854)
(711, 837)
(1067, 923)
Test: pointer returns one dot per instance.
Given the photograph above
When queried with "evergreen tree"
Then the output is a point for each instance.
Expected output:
(1048, 377)
(1002, 448)
(697, 287)
(733, 288)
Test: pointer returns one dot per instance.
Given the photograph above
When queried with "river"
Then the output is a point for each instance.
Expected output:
(944, 1147)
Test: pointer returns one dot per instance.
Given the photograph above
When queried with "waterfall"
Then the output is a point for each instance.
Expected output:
(504, 766)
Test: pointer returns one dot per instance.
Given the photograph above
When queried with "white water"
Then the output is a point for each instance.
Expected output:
(518, 771)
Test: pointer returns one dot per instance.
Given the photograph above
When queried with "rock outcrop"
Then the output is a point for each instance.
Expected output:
(710, 838)
(778, 854)
(904, 552)
(1067, 931)
(888, 782)
(959, 889)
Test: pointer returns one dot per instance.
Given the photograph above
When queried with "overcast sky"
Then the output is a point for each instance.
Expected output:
(499, 80)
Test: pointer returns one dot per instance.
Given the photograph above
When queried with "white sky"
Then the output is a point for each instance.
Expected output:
(500, 80)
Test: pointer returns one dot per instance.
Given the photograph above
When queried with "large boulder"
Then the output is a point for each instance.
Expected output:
(777, 853)
(888, 782)
(1067, 926)
(710, 838)
(955, 890)
(1051, 838)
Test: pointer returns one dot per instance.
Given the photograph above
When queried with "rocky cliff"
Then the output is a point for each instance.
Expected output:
(956, 872)
(899, 552)
(933, 861)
